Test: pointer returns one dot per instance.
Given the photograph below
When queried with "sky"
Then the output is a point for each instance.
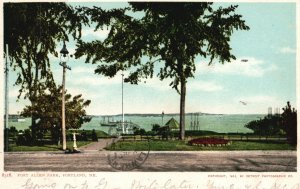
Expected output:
(267, 79)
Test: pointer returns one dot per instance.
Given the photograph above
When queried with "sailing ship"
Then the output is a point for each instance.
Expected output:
(108, 123)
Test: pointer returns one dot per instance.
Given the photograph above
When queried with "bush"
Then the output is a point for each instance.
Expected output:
(164, 131)
(69, 137)
(94, 135)
(83, 136)
(13, 132)
(138, 131)
(24, 139)
(142, 132)
(150, 133)
(28, 137)
(156, 128)
(20, 140)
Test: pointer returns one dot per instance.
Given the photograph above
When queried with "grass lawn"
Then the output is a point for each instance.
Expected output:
(15, 148)
(182, 146)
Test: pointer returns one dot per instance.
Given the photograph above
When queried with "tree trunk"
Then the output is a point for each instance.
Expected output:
(182, 108)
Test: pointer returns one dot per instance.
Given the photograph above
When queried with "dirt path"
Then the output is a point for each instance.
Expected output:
(97, 146)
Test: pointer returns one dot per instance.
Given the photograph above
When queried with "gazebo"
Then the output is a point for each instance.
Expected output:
(172, 124)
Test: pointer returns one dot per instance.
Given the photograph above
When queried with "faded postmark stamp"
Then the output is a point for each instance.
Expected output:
(126, 160)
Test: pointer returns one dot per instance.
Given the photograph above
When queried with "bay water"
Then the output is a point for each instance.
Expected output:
(229, 123)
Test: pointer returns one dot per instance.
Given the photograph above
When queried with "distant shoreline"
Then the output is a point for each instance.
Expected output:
(171, 114)
(148, 115)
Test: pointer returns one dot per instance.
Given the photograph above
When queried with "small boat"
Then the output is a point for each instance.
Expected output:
(108, 123)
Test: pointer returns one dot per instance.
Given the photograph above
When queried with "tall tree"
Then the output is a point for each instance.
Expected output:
(289, 120)
(49, 119)
(32, 31)
(168, 35)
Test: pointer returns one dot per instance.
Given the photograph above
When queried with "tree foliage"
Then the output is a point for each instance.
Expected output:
(269, 125)
(168, 36)
(32, 31)
(286, 123)
(47, 110)
(289, 121)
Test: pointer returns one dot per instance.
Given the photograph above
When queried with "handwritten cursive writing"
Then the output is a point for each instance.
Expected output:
(256, 185)
(102, 184)
(30, 185)
(154, 184)
(162, 184)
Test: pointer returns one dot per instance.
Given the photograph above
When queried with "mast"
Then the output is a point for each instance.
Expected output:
(197, 120)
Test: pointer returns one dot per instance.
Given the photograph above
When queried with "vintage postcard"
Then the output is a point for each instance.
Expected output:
(149, 95)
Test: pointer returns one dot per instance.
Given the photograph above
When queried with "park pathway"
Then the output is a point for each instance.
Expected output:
(97, 146)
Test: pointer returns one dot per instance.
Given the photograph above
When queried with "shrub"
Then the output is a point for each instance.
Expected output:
(94, 135)
(83, 136)
(139, 131)
(142, 131)
(13, 132)
(25, 138)
(20, 140)
(156, 128)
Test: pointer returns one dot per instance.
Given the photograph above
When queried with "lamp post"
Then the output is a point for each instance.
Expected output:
(64, 57)
(123, 126)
